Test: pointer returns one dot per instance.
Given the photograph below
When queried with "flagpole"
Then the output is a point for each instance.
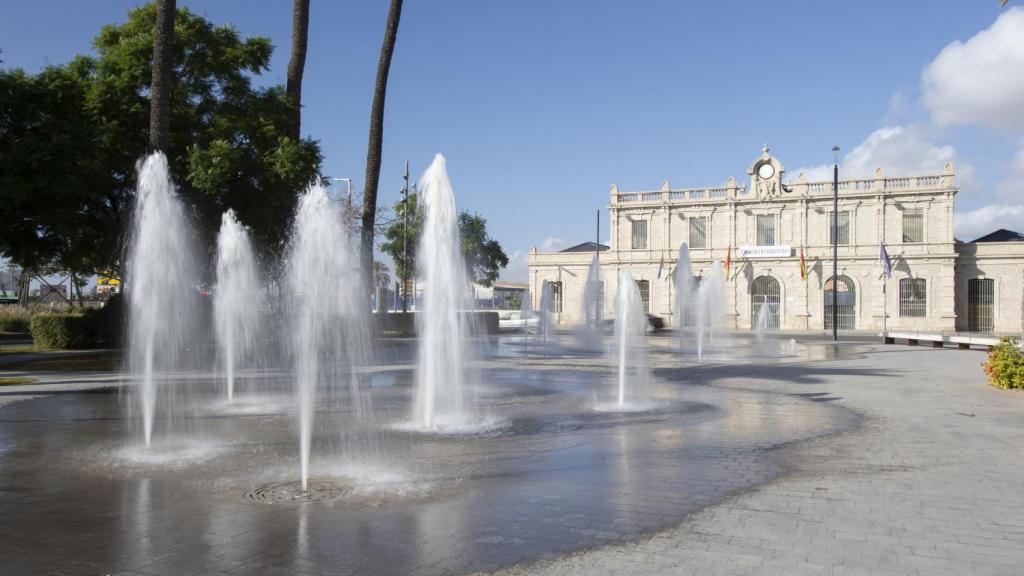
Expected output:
(885, 312)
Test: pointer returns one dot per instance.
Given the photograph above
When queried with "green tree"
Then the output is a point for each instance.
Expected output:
(70, 137)
(484, 256)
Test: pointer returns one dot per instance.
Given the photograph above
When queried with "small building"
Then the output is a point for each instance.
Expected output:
(776, 236)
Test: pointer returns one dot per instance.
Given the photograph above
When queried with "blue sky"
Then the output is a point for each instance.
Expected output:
(541, 106)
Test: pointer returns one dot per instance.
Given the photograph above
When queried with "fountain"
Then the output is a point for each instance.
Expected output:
(634, 376)
(588, 335)
(547, 300)
(162, 294)
(710, 310)
(237, 298)
(443, 400)
(761, 325)
(327, 308)
(525, 312)
(684, 290)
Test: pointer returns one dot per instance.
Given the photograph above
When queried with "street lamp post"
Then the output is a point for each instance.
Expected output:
(835, 243)
(405, 238)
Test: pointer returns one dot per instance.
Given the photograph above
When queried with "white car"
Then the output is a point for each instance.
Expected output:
(513, 321)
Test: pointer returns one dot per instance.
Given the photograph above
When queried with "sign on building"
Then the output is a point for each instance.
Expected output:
(765, 251)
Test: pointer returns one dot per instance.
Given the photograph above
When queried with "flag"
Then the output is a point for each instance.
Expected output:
(661, 266)
(803, 265)
(728, 261)
(883, 256)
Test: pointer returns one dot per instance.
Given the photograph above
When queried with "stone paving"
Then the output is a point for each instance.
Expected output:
(930, 483)
(884, 460)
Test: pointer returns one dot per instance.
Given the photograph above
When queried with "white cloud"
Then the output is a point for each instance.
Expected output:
(518, 266)
(980, 81)
(551, 244)
(976, 223)
(898, 151)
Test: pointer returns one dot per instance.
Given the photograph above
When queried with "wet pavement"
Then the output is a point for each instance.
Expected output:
(549, 477)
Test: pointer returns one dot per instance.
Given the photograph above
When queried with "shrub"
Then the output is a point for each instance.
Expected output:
(62, 331)
(1005, 365)
(14, 319)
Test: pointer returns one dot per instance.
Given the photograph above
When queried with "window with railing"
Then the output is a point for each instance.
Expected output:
(639, 228)
(698, 232)
(913, 226)
(766, 230)
(645, 293)
(913, 298)
(842, 235)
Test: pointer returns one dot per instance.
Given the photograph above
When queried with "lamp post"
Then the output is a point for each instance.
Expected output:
(835, 242)
(405, 237)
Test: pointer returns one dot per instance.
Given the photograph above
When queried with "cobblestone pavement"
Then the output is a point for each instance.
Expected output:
(930, 483)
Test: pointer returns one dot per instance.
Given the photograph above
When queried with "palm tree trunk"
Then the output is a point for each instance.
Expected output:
(160, 87)
(373, 149)
(297, 64)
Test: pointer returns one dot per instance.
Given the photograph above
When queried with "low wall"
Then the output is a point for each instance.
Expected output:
(404, 323)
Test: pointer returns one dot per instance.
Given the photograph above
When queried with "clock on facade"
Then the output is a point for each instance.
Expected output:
(766, 171)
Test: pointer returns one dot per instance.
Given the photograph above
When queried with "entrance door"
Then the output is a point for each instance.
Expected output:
(765, 291)
(846, 304)
(980, 304)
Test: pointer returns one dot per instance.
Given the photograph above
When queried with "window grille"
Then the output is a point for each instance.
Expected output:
(980, 304)
(766, 230)
(645, 294)
(765, 291)
(639, 234)
(846, 301)
(913, 298)
(698, 232)
(913, 226)
(556, 294)
(844, 227)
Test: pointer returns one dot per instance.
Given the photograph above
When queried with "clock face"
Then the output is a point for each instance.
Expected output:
(766, 171)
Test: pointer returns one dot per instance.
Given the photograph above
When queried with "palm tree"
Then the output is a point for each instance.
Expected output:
(160, 84)
(376, 140)
(297, 64)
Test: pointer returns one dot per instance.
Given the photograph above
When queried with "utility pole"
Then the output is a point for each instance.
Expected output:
(835, 243)
(405, 238)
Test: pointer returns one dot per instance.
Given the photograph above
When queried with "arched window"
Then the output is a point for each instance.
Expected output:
(765, 292)
(846, 304)
(913, 298)
(981, 298)
(645, 294)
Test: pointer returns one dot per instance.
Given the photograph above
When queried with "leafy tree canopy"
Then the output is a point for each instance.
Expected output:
(70, 137)
(484, 256)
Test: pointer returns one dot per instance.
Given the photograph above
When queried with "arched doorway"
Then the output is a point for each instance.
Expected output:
(846, 304)
(765, 291)
(981, 300)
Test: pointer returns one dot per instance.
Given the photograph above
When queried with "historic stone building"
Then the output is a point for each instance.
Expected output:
(937, 283)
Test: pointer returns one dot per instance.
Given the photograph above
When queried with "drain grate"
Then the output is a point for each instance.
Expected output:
(292, 493)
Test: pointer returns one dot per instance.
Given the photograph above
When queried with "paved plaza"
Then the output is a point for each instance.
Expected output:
(858, 459)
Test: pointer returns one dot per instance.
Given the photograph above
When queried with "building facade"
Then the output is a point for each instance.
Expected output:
(776, 237)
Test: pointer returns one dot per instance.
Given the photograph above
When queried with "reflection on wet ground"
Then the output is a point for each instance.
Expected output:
(550, 477)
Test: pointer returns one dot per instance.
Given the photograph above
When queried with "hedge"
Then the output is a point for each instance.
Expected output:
(62, 331)
(92, 328)
(1005, 365)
